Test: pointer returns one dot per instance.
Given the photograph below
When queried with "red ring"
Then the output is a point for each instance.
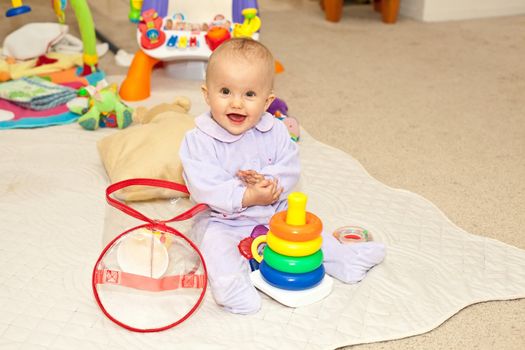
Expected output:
(311, 230)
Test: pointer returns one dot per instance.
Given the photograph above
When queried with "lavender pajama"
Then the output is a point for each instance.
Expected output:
(211, 157)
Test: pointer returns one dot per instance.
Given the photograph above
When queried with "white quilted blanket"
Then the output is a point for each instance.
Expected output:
(52, 210)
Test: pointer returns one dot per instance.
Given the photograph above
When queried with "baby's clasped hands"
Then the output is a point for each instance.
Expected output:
(259, 190)
(250, 177)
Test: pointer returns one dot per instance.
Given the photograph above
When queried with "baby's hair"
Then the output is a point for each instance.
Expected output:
(246, 48)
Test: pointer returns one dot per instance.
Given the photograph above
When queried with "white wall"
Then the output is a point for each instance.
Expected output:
(201, 11)
(412, 8)
(446, 10)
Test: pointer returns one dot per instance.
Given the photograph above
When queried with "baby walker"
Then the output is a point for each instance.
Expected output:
(183, 34)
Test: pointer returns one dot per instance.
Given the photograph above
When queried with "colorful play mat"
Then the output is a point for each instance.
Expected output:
(17, 115)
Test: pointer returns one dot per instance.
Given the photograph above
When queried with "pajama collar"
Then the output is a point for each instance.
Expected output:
(210, 127)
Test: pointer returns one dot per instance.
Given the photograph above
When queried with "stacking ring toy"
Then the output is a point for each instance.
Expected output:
(293, 264)
(289, 248)
(291, 281)
(307, 232)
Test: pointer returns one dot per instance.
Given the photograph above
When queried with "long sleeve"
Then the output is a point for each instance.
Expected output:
(206, 177)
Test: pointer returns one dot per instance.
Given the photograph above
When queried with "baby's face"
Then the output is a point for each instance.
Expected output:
(238, 93)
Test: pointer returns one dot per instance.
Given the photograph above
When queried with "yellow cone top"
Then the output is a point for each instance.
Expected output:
(296, 214)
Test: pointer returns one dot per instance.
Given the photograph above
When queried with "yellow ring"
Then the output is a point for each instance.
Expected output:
(290, 248)
(255, 244)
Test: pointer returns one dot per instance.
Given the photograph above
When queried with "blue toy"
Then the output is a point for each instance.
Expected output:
(291, 281)
(172, 42)
(17, 9)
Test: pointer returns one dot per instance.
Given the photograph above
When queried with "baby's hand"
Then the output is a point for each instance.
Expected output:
(250, 177)
(264, 192)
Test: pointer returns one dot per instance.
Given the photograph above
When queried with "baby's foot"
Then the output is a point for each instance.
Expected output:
(349, 263)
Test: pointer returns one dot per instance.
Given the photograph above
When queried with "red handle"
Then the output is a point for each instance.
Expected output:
(152, 183)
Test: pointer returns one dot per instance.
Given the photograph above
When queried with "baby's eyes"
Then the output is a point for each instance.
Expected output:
(226, 92)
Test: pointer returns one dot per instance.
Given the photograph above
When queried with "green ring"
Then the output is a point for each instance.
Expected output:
(293, 264)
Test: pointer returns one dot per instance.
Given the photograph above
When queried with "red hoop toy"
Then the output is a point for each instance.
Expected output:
(139, 274)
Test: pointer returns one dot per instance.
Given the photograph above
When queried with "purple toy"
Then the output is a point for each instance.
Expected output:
(279, 109)
(259, 230)
(278, 105)
(160, 6)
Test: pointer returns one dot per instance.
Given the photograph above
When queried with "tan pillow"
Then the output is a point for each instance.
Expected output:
(148, 150)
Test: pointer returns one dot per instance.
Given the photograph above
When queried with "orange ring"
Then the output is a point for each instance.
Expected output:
(311, 230)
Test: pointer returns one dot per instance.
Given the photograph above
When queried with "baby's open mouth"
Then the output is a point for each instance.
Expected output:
(236, 118)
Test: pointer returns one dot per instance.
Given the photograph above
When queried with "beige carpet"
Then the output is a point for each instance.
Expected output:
(437, 109)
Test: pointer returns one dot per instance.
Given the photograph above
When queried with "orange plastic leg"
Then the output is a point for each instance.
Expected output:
(279, 68)
(137, 84)
(333, 10)
(389, 11)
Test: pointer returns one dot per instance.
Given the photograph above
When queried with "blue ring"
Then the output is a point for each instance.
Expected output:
(15, 11)
(291, 281)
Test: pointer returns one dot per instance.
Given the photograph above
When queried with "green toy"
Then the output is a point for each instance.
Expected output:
(104, 108)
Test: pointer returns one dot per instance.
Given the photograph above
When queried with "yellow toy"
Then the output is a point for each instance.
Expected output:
(251, 24)
(134, 10)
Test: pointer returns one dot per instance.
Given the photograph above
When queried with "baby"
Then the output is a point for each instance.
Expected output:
(241, 161)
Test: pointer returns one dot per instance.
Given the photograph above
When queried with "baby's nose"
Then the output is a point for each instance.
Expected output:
(236, 102)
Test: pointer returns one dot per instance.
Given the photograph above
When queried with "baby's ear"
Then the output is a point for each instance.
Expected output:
(269, 100)
(204, 90)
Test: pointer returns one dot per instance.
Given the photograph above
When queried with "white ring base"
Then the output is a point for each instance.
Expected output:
(293, 298)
